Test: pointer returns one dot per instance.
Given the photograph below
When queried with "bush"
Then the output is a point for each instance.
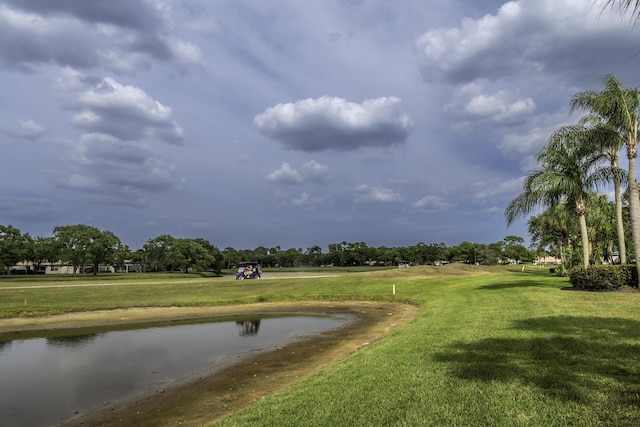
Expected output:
(603, 277)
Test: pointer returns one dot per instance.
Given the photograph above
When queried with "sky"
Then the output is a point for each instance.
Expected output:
(290, 123)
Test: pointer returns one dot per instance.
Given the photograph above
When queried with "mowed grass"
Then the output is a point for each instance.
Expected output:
(491, 346)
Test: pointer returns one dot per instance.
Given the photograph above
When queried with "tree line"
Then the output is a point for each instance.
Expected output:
(87, 249)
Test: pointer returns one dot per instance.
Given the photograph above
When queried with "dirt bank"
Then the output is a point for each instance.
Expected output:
(219, 393)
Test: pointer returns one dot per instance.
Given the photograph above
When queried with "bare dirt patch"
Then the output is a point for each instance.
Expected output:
(238, 385)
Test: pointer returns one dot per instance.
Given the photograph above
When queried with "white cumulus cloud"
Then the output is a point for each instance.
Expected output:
(311, 171)
(285, 174)
(523, 37)
(366, 194)
(335, 123)
(500, 106)
(124, 111)
(431, 204)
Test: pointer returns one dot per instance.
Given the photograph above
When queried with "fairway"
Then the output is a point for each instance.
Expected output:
(489, 346)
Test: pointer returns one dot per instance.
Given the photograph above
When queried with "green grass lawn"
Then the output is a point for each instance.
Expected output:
(490, 347)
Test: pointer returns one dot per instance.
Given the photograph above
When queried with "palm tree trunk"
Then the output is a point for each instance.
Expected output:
(622, 249)
(634, 207)
(585, 240)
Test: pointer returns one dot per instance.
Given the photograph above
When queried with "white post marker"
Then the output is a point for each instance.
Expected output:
(394, 289)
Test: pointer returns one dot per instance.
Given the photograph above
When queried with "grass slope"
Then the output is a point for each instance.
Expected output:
(491, 346)
(499, 349)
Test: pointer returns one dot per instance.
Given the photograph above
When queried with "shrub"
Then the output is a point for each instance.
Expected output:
(603, 277)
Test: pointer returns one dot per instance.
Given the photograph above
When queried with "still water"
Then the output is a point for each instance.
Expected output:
(45, 381)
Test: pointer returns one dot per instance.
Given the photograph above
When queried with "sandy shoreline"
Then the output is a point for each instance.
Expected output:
(223, 391)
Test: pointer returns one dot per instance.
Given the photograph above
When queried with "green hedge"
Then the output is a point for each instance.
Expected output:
(603, 277)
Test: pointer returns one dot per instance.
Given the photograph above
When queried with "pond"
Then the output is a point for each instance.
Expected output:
(45, 381)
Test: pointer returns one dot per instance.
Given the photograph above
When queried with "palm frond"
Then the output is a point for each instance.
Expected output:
(625, 7)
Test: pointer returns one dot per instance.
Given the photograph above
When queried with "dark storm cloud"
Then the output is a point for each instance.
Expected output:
(139, 15)
(334, 123)
(105, 169)
(120, 35)
(119, 158)
(28, 208)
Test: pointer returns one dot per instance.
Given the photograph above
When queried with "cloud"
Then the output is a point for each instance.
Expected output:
(474, 105)
(106, 169)
(525, 37)
(120, 35)
(29, 208)
(311, 171)
(431, 204)
(500, 106)
(494, 193)
(331, 123)
(118, 158)
(27, 129)
(138, 15)
(366, 194)
(123, 111)
(523, 143)
(307, 201)
(285, 175)
(315, 172)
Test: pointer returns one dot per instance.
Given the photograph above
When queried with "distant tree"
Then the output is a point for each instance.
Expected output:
(514, 249)
(359, 252)
(74, 242)
(162, 253)
(601, 227)
(13, 247)
(230, 257)
(122, 254)
(102, 249)
(193, 255)
(41, 249)
(291, 257)
(216, 262)
(554, 230)
(315, 253)
(436, 252)
(334, 256)
(273, 256)
(464, 252)
(260, 255)
(489, 254)
(139, 257)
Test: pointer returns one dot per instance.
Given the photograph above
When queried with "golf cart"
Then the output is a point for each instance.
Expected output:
(248, 270)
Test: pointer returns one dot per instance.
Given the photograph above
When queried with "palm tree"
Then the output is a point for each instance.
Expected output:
(602, 231)
(618, 106)
(604, 140)
(553, 229)
(564, 175)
